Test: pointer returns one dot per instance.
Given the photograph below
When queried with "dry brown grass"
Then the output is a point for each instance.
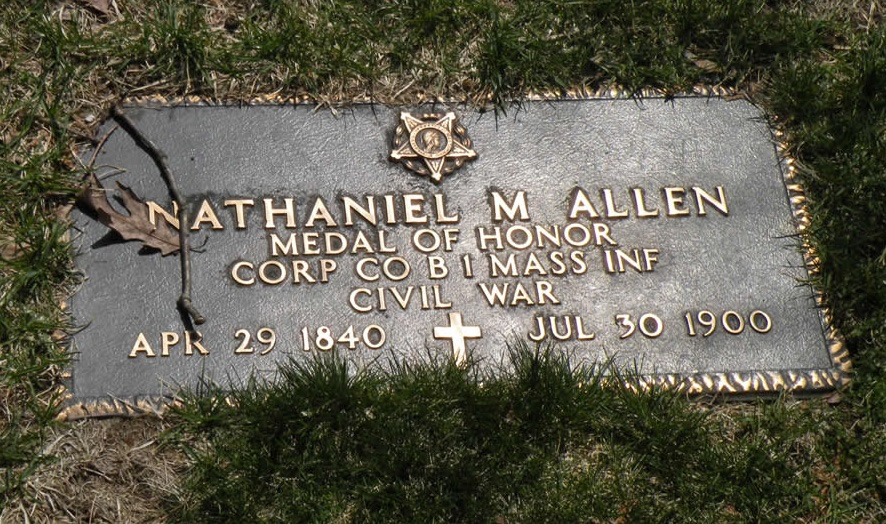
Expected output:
(863, 14)
(111, 470)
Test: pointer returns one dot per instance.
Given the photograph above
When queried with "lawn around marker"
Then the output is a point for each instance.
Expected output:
(436, 442)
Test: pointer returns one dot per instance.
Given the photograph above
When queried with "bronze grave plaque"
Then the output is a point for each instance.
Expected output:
(659, 234)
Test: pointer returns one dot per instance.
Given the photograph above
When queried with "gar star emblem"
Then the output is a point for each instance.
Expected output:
(432, 144)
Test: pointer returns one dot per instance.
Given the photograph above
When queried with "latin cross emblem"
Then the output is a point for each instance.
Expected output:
(431, 144)
(456, 332)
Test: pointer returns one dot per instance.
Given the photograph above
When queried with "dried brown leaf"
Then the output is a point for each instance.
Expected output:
(704, 64)
(136, 225)
(8, 249)
(100, 6)
(834, 399)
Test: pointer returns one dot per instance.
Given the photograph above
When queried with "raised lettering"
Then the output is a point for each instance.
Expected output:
(368, 212)
(500, 207)
(141, 346)
(320, 212)
(288, 210)
(581, 204)
(674, 201)
(239, 210)
(701, 196)
(206, 214)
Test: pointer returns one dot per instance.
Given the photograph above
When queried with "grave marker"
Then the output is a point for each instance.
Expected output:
(659, 234)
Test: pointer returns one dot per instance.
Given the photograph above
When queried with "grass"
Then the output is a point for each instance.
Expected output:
(543, 443)
(433, 443)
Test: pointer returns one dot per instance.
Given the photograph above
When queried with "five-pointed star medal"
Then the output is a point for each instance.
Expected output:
(448, 145)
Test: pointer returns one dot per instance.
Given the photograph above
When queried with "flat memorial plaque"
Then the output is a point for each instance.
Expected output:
(658, 234)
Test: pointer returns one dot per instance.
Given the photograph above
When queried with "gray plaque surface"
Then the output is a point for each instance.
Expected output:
(721, 252)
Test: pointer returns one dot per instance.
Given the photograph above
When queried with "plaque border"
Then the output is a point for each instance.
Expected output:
(738, 385)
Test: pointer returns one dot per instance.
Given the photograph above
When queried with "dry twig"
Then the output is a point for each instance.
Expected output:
(159, 158)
